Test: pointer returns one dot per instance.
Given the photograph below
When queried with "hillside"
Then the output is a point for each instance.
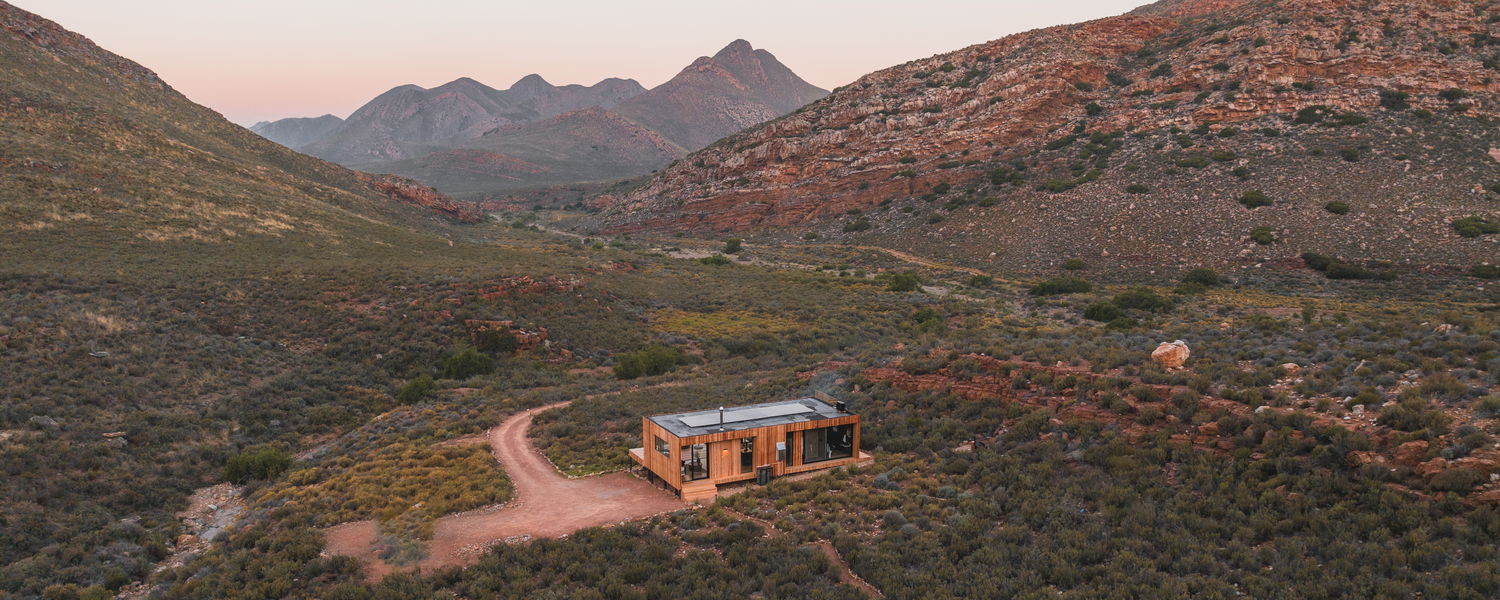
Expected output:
(1128, 141)
(98, 154)
(473, 141)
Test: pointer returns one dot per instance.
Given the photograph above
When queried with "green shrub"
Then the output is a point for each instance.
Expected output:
(1223, 155)
(1255, 199)
(257, 463)
(649, 361)
(981, 281)
(1204, 277)
(717, 259)
(1061, 285)
(467, 362)
(1103, 312)
(1141, 298)
(416, 390)
(1394, 100)
(1453, 94)
(1459, 481)
(1093, 109)
(1074, 264)
(1263, 236)
(1338, 207)
(1317, 262)
(904, 281)
(1487, 407)
(1475, 226)
(1137, 188)
(859, 224)
(732, 245)
(1349, 154)
(496, 342)
(1485, 271)
(1196, 161)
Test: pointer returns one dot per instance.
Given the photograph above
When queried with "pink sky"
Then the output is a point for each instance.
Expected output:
(267, 59)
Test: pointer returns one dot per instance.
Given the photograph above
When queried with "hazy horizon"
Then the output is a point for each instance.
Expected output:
(278, 58)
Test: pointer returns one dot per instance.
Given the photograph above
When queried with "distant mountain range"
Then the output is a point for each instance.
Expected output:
(469, 139)
(1188, 132)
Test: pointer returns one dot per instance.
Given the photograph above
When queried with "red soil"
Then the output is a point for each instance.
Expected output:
(545, 504)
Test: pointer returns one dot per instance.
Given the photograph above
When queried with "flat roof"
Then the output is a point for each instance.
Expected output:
(739, 418)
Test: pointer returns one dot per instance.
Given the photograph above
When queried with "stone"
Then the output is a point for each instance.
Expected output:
(1292, 369)
(1411, 453)
(42, 421)
(1171, 355)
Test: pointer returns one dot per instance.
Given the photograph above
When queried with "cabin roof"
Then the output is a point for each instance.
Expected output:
(739, 418)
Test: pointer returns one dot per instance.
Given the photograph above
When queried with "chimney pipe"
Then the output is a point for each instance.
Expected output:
(721, 418)
(841, 406)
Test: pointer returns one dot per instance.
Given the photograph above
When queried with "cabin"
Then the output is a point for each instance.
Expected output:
(696, 452)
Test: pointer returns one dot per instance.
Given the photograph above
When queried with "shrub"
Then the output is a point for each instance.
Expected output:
(1263, 236)
(860, 224)
(1223, 155)
(732, 245)
(496, 342)
(1074, 264)
(1414, 414)
(1394, 100)
(1487, 407)
(651, 360)
(1475, 226)
(1453, 94)
(1485, 271)
(1342, 270)
(717, 260)
(257, 463)
(981, 281)
(1460, 480)
(1103, 312)
(467, 362)
(416, 390)
(1205, 277)
(1196, 161)
(1141, 298)
(1137, 188)
(1349, 154)
(1316, 262)
(1061, 285)
(904, 281)
(1338, 207)
(1093, 109)
(1255, 199)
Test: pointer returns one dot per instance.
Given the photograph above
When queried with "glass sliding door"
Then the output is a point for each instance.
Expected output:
(828, 443)
(695, 462)
(747, 455)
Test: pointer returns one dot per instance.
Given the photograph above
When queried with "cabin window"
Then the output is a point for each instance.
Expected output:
(827, 443)
(747, 455)
(695, 462)
(662, 447)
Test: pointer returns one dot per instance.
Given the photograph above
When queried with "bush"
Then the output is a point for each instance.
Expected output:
(1342, 270)
(1074, 264)
(466, 363)
(717, 259)
(1317, 262)
(904, 281)
(258, 463)
(981, 281)
(1103, 312)
(1453, 94)
(495, 342)
(1137, 188)
(649, 361)
(1485, 271)
(1337, 207)
(1487, 407)
(860, 224)
(1394, 100)
(1142, 298)
(1205, 277)
(1061, 285)
(1263, 236)
(732, 245)
(1459, 481)
(416, 390)
(1255, 199)
(1475, 226)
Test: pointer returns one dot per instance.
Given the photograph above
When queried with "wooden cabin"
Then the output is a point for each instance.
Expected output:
(695, 452)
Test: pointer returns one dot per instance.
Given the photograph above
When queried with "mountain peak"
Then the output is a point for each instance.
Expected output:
(735, 48)
(531, 82)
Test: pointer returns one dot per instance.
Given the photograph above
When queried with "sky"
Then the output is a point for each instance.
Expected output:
(255, 60)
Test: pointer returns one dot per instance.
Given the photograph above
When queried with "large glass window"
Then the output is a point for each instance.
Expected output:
(827, 443)
(695, 462)
(663, 447)
(747, 455)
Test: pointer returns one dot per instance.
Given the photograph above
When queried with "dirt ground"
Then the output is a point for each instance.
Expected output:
(545, 504)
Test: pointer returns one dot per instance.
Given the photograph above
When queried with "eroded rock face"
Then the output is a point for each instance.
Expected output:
(1171, 355)
(949, 122)
(411, 192)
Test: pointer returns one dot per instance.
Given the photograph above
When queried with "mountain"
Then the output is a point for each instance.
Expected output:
(297, 132)
(474, 141)
(97, 153)
(1139, 140)
(410, 121)
(736, 88)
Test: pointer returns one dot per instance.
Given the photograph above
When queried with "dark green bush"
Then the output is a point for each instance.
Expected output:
(258, 463)
(1142, 298)
(1263, 236)
(1485, 271)
(467, 362)
(732, 245)
(1475, 226)
(1137, 188)
(1061, 285)
(416, 390)
(1255, 199)
(1103, 312)
(649, 361)
(1338, 207)
(1203, 276)
(1074, 264)
(904, 281)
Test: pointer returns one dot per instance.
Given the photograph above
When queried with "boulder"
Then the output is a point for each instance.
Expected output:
(1411, 453)
(1171, 355)
(1292, 369)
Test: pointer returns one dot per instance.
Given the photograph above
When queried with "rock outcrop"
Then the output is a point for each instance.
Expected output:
(1171, 355)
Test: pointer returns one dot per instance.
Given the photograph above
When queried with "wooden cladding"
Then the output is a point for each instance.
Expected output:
(724, 451)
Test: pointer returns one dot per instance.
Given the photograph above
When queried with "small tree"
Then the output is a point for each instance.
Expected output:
(1204, 277)
(904, 281)
(732, 245)
(257, 463)
(416, 390)
(466, 363)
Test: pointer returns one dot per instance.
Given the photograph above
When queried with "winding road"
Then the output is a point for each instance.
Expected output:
(544, 504)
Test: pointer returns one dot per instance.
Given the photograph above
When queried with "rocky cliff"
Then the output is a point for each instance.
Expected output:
(1131, 140)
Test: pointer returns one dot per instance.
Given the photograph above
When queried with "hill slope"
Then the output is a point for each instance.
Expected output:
(1018, 153)
(297, 132)
(98, 152)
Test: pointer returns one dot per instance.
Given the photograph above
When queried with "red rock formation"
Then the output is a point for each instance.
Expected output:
(411, 192)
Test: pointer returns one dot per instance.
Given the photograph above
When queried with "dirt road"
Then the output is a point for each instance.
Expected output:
(545, 504)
